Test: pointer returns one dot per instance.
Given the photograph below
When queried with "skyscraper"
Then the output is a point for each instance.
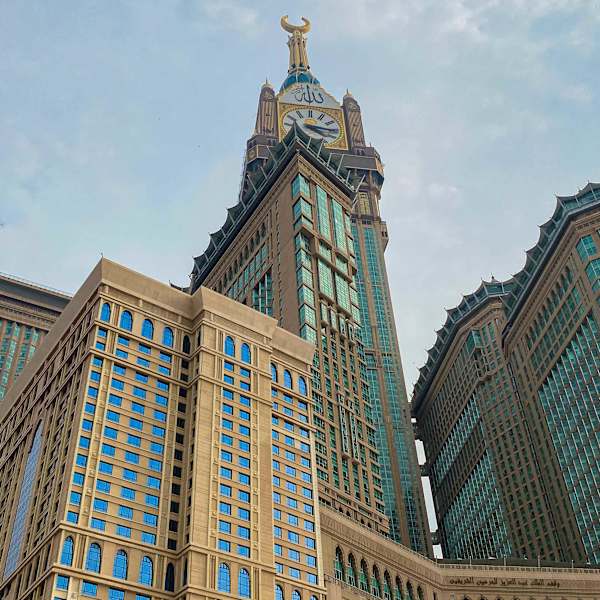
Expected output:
(151, 446)
(27, 312)
(507, 404)
(305, 243)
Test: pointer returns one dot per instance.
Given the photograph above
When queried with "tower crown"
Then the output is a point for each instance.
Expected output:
(299, 69)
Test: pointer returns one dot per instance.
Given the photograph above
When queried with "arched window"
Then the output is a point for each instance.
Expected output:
(66, 556)
(126, 320)
(339, 564)
(244, 584)
(351, 570)
(296, 595)
(170, 578)
(147, 329)
(105, 312)
(409, 590)
(186, 344)
(398, 589)
(279, 595)
(93, 561)
(146, 571)
(387, 586)
(422, 597)
(375, 583)
(273, 373)
(363, 578)
(229, 346)
(168, 337)
(287, 379)
(246, 356)
(224, 579)
(120, 565)
(302, 386)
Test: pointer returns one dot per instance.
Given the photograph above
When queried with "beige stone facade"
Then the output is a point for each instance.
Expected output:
(27, 312)
(147, 452)
(401, 574)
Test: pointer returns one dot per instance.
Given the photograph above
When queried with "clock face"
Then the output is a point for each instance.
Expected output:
(314, 122)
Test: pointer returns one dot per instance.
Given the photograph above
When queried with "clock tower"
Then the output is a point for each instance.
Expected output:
(332, 132)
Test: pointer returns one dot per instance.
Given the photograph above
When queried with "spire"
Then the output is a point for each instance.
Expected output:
(299, 69)
(297, 44)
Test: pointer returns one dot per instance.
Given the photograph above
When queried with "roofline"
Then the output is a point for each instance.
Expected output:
(442, 345)
(517, 287)
(295, 141)
(35, 286)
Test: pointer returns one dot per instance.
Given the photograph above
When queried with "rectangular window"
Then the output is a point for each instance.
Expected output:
(323, 214)
(325, 279)
(123, 531)
(134, 440)
(339, 232)
(125, 512)
(148, 538)
(89, 589)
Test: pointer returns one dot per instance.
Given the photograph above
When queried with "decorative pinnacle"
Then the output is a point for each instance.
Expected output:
(297, 44)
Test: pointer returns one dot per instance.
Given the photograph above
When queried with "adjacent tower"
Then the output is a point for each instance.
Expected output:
(306, 244)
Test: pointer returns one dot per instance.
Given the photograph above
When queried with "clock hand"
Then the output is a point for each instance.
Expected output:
(319, 128)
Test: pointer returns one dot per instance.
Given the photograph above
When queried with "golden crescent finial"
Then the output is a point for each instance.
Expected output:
(291, 28)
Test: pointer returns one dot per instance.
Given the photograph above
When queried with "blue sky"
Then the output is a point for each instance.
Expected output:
(122, 128)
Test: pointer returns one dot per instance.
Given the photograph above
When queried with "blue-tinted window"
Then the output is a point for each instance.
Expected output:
(132, 457)
(78, 478)
(72, 517)
(147, 329)
(146, 571)
(167, 337)
(143, 362)
(162, 385)
(99, 524)
(273, 373)
(159, 415)
(105, 467)
(287, 379)
(245, 352)
(117, 384)
(153, 482)
(126, 512)
(225, 508)
(302, 386)
(155, 465)
(243, 496)
(162, 400)
(66, 555)
(243, 550)
(113, 416)
(84, 442)
(224, 579)
(134, 440)
(243, 532)
(244, 584)
(279, 593)
(114, 594)
(121, 353)
(148, 538)
(229, 346)
(86, 425)
(158, 431)
(93, 561)
(136, 424)
(145, 349)
(103, 486)
(244, 514)
(126, 321)
(151, 500)
(90, 408)
(224, 526)
(164, 356)
(137, 407)
(123, 531)
(92, 392)
(156, 448)
(89, 589)
(115, 400)
(139, 392)
(62, 582)
(100, 505)
(150, 519)
(129, 475)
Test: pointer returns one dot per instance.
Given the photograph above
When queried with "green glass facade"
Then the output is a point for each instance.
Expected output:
(371, 282)
(17, 346)
(475, 525)
(569, 397)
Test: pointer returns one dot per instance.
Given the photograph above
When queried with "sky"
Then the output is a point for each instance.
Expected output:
(123, 126)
